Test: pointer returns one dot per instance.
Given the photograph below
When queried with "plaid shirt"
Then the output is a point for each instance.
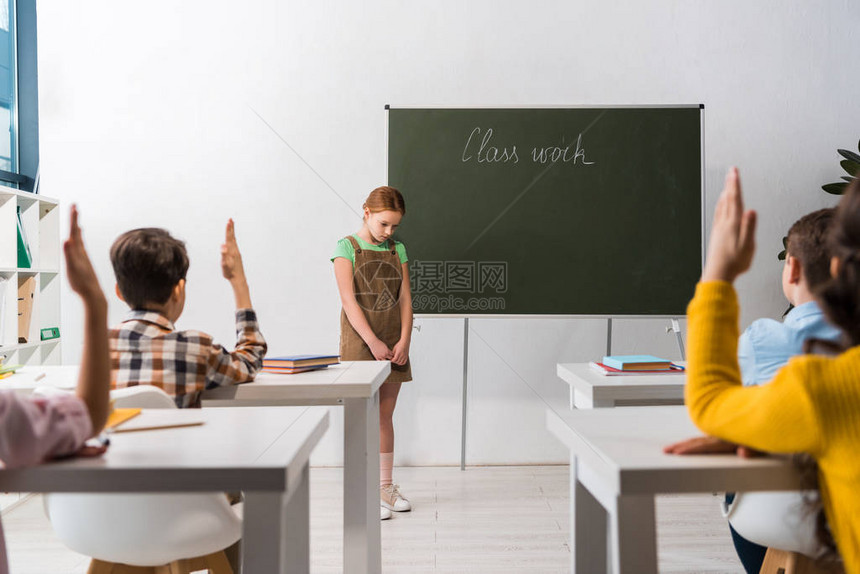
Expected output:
(146, 350)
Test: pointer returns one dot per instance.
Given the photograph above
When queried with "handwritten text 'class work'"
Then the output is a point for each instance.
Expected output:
(480, 148)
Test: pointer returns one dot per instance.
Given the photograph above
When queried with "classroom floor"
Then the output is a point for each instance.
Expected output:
(485, 520)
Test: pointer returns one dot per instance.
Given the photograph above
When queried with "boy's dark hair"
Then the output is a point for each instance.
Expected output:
(808, 243)
(148, 263)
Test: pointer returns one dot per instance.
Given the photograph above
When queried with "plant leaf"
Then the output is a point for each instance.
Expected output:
(848, 179)
(782, 253)
(852, 167)
(849, 155)
(835, 188)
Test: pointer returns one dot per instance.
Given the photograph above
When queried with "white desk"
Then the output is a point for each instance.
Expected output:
(590, 390)
(355, 385)
(617, 466)
(263, 452)
(24, 381)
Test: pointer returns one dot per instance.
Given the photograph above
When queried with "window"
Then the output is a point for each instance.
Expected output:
(19, 101)
(8, 143)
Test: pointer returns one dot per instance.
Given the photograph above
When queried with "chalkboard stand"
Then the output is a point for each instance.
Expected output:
(465, 388)
(608, 336)
(674, 327)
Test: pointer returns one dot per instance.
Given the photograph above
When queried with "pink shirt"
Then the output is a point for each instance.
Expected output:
(34, 429)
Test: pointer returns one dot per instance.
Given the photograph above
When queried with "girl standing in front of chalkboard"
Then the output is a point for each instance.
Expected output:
(376, 320)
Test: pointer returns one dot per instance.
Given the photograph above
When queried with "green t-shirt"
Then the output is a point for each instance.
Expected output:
(344, 249)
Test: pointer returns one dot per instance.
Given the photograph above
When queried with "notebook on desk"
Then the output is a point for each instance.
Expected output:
(636, 362)
(296, 361)
(609, 371)
(151, 420)
(119, 416)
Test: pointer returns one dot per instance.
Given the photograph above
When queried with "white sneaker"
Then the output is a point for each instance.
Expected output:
(390, 498)
(384, 513)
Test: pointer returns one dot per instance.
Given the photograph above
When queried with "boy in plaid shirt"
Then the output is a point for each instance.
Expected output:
(150, 268)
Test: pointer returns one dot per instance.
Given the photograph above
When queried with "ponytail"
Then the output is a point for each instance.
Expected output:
(840, 297)
(840, 300)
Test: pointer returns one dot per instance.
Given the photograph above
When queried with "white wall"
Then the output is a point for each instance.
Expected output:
(182, 114)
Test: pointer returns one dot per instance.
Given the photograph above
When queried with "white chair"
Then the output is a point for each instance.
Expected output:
(170, 533)
(776, 520)
(142, 396)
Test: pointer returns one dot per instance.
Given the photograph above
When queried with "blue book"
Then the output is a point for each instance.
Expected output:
(637, 362)
(301, 360)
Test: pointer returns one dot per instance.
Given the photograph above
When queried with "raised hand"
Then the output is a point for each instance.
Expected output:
(79, 270)
(94, 374)
(231, 259)
(732, 243)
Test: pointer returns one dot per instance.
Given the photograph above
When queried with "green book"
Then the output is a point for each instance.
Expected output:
(25, 259)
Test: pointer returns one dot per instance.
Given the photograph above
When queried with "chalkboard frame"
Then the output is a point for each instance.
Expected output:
(609, 316)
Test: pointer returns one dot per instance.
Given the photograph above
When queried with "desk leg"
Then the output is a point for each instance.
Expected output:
(588, 528)
(263, 545)
(298, 526)
(580, 400)
(634, 537)
(362, 546)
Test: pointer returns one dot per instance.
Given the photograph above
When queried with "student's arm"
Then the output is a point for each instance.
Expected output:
(233, 270)
(776, 417)
(343, 275)
(243, 363)
(401, 349)
(33, 429)
(94, 377)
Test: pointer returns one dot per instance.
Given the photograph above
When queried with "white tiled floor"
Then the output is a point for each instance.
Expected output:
(485, 520)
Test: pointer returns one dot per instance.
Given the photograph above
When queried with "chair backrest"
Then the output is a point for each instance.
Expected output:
(776, 520)
(142, 396)
(143, 529)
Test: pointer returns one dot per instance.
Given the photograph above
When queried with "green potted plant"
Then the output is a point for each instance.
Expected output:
(851, 164)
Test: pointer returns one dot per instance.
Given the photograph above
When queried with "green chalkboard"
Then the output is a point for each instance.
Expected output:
(580, 211)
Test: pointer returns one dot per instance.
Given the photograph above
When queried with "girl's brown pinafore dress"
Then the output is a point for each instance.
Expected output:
(377, 279)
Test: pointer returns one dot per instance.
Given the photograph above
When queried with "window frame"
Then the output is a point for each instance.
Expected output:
(24, 110)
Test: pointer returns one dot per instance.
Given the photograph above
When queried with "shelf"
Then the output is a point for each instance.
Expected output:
(27, 270)
(25, 346)
(40, 218)
(26, 197)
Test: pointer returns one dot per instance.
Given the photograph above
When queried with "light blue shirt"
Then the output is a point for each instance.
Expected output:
(767, 345)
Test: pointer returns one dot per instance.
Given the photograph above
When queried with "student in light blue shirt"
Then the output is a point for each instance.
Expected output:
(766, 345)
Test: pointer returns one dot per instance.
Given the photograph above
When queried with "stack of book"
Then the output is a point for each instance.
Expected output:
(635, 365)
(298, 363)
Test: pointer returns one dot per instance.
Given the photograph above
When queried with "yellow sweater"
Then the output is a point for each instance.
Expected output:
(812, 405)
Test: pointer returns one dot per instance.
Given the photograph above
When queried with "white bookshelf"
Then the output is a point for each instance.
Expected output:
(41, 218)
